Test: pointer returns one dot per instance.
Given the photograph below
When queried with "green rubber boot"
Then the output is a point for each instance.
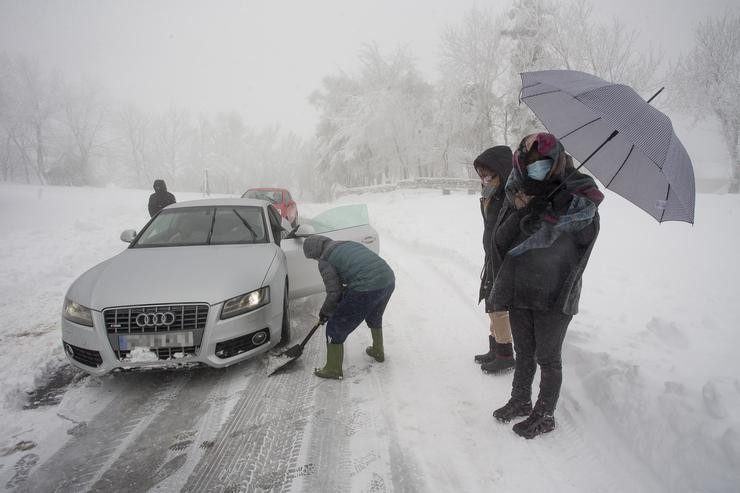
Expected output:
(376, 350)
(334, 359)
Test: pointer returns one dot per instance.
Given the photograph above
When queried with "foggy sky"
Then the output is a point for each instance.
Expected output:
(263, 58)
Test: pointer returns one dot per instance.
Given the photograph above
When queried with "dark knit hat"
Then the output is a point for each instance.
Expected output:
(497, 159)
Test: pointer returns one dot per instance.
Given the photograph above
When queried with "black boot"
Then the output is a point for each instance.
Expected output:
(537, 423)
(512, 409)
(490, 355)
(503, 362)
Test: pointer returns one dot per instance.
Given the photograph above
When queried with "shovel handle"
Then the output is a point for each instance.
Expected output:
(310, 333)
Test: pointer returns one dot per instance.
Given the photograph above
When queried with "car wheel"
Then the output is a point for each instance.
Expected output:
(285, 328)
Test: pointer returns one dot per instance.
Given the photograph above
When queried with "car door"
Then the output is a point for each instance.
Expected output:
(349, 222)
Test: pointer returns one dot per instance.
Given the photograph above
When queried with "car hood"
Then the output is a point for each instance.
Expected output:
(188, 274)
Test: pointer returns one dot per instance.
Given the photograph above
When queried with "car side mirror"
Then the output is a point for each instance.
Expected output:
(128, 235)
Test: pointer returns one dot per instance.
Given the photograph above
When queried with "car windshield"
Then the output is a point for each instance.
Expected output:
(273, 196)
(219, 225)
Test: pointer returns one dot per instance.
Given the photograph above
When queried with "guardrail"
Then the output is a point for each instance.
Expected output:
(446, 185)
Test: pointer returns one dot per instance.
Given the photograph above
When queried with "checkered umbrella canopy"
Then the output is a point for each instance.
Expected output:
(623, 141)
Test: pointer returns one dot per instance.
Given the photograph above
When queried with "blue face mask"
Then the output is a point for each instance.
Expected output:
(538, 170)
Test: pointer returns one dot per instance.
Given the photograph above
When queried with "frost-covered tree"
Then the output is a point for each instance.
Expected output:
(373, 125)
(32, 104)
(133, 133)
(84, 117)
(172, 132)
(473, 88)
(607, 49)
(708, 82)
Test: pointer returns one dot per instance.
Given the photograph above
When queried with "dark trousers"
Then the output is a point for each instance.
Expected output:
(538, 339)
(356, 307)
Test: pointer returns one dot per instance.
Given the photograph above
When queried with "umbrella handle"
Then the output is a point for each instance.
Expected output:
(613, 134)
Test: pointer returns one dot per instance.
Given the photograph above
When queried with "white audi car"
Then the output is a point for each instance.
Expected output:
(207, 281)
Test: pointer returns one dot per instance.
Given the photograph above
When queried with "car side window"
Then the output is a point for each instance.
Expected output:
(288, 198)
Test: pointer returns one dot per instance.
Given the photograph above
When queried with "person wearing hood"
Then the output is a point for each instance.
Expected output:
(493, 167)
(160, 199)
(359, 285)
(544, 237)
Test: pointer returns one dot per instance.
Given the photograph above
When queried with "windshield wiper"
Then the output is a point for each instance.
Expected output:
(254, 235)
(210, 231)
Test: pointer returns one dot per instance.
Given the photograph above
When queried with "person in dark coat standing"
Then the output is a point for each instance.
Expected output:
(359, 285)
(493, 167)
(160, 199)
(544, 236)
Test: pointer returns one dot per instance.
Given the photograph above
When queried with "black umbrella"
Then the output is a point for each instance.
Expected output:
(624, 142)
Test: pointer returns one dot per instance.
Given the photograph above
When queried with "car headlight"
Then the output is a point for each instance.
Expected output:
(74, 312)
(246, 302)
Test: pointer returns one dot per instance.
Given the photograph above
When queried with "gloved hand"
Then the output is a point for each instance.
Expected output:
(561, 201)
(536, 187)
(323, 318)
(537, 206)
(532, 215)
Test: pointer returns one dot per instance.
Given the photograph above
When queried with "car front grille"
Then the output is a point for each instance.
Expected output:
(149, 319)
(87, 357)
(153, 319)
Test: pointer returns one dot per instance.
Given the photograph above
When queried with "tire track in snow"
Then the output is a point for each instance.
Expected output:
(161, 448)
(95, 446)
(258, 446)
(404, 469)
(328, 445)
(428, 330)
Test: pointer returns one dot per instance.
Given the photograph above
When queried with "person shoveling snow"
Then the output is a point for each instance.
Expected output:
(358, 286)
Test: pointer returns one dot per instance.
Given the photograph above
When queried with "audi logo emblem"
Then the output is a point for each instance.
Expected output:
(155, 319)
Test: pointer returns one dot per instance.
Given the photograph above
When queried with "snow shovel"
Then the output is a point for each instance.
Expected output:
(296, 351)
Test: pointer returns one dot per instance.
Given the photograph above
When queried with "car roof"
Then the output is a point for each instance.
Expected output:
(218, 202)
(268, 188)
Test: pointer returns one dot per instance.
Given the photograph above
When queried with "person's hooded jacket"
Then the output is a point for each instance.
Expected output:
(544, 247)
(346, 265)
(497, 159)
(160, 199)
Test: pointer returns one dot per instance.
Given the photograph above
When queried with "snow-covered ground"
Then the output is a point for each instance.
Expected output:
(649, 400)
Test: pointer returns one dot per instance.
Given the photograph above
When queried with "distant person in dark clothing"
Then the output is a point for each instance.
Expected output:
(160, 199)
(359, 285)
(543, 238)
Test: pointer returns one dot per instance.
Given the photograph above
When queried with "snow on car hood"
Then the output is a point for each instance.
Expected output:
(187, 274)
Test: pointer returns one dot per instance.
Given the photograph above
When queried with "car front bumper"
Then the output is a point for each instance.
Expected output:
(222, 343)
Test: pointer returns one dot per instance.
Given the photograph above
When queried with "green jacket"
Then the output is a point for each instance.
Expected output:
(346, 265)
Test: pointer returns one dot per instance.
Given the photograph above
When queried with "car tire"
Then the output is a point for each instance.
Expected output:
(285, 327)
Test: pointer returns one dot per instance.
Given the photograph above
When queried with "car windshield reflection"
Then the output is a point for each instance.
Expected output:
(192, 226)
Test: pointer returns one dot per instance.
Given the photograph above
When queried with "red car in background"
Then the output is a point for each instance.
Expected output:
(280, 198)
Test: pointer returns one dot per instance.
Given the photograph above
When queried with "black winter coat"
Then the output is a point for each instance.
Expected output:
(159, 200)
(542, 279)
(492, 262)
